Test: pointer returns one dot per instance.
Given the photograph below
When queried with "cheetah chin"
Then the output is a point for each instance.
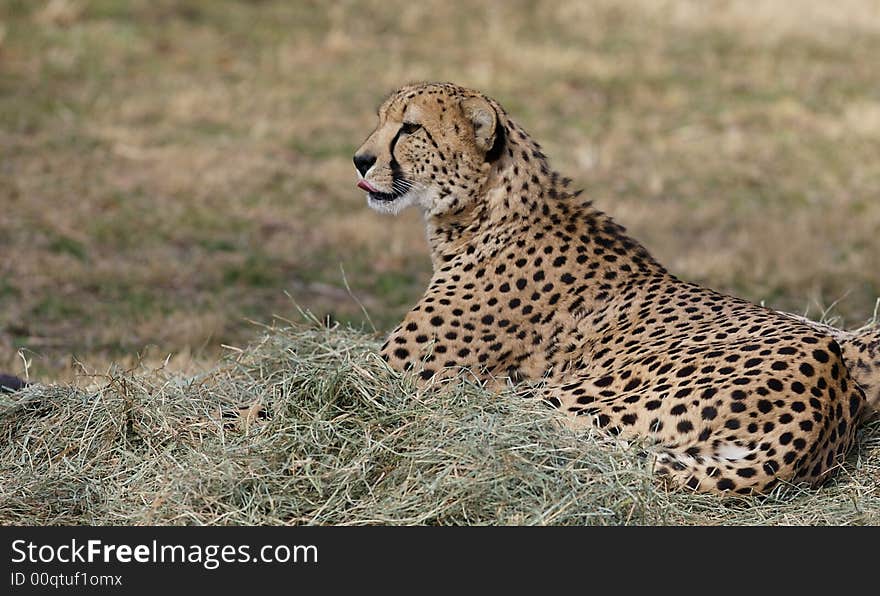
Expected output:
(532, 282)
(392, 204)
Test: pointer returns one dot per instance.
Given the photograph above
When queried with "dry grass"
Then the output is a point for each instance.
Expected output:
(308, 426)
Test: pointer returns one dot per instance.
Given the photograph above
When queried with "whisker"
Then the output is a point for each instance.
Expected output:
(401, 186)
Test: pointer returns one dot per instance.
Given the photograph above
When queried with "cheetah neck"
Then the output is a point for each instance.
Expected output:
(525, 204)
(517, 185)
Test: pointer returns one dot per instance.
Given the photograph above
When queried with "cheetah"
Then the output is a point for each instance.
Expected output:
(532, 283)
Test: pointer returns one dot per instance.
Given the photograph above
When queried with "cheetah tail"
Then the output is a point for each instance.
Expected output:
(714, 473)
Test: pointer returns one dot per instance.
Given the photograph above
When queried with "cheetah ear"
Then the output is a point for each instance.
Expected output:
(482, 115)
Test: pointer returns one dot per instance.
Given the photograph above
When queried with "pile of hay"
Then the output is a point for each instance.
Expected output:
(309, 427)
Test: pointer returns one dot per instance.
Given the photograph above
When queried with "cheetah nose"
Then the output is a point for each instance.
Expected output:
(363, 162)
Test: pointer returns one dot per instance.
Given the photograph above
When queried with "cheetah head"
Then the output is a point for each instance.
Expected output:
(434, 147)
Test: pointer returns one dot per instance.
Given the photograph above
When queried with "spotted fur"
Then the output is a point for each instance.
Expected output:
(531, 282)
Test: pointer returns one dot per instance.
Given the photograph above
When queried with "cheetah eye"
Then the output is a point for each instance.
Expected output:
(409, 127)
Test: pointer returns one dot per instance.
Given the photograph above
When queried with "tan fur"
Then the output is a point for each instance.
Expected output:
(532, 283)
(861, 352)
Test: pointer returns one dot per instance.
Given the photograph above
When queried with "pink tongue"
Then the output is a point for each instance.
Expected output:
(366, 186)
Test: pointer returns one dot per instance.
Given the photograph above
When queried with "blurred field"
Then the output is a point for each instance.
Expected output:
(169, 170)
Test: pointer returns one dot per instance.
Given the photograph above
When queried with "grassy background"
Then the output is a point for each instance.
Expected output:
(169, 170)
